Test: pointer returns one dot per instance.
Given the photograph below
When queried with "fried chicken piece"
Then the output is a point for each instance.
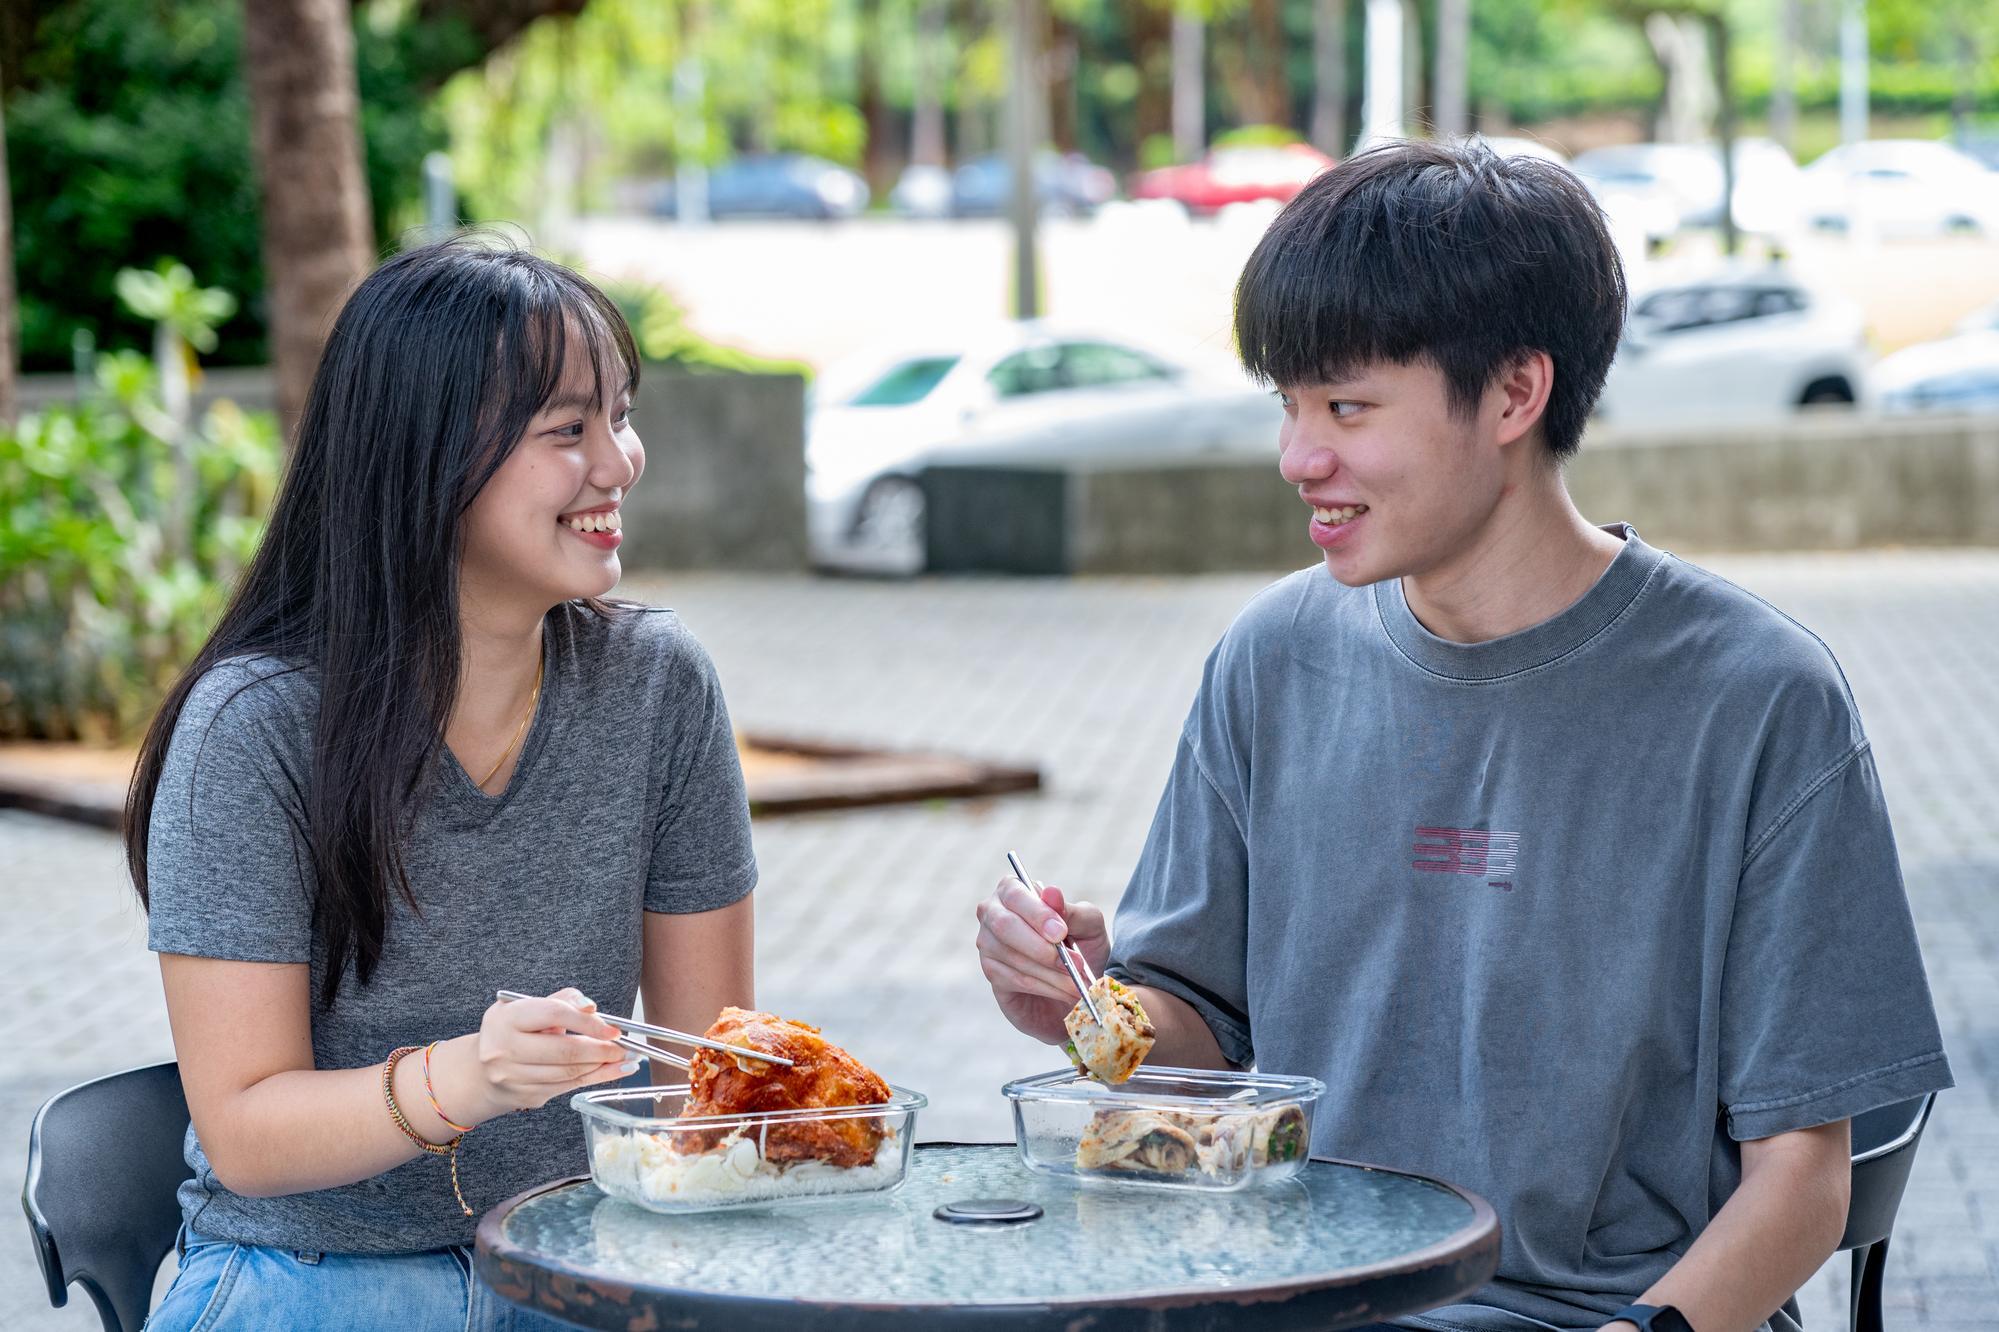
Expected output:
(823, 1075)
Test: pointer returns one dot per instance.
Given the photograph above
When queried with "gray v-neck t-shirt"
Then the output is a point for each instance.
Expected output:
(1562, 917)
(628, 797)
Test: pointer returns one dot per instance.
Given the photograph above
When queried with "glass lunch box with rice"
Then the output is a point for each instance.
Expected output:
(642, 1151)
(1178, 1128)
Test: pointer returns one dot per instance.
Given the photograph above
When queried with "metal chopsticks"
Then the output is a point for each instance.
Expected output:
(639, 1047)
(633, 1025)
(1062, 947)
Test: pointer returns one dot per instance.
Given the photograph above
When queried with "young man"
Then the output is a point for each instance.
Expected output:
(1561, 861)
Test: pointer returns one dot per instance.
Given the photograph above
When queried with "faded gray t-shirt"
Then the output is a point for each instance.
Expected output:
(628, 797)
(1561, 918)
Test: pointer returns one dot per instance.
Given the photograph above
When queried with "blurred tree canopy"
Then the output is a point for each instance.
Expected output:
(128, 135)
(128, 139)
(836, 77)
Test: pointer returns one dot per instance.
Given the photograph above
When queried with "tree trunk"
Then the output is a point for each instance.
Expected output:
(1724, 128)
(1329, 86)
(927, 133)
(1784, 79)
(1250, 57)
(1190, 86)
(1964, 45)
(878, 158)
(1148, 34)
(299, 55)
(1453, 68)
(975, 114)
(10, 336)
(1062, 63)
(1266, 60)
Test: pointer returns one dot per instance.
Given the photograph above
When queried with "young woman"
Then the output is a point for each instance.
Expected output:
(419, 761)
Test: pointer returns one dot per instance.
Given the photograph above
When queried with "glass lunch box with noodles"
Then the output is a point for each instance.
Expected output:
(1170, 1127)
(643, 1152)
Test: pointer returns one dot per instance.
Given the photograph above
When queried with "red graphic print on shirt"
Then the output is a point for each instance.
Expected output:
(1479, 852)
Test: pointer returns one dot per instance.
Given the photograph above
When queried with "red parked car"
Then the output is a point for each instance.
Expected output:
(1234, 175)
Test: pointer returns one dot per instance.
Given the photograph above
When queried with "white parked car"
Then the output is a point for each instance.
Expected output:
(1954, 374)
(1025, 392)
(1743, 342)
(1657, 188)
(1685, 176)
(922, 191)
(1898, 186)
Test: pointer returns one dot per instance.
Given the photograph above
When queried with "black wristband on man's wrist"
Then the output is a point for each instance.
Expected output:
(1653, 1318)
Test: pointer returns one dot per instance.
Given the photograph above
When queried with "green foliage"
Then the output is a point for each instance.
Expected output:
(660, 327)
(129, 140)
(129, 131)
(169, 295)
(775, 77)
(1157, 151)
(1258, 136)
(98, 616)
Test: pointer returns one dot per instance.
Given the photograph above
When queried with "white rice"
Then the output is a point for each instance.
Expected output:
(645, 1168)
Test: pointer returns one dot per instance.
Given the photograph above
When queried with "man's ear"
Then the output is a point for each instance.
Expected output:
(1523, 388)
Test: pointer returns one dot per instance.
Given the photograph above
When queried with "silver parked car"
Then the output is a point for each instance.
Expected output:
(1738, 342)
(1022, 393)
(1958, 374)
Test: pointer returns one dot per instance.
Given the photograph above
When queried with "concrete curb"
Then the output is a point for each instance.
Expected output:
(784, 776)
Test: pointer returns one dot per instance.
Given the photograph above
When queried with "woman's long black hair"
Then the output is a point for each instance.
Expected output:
(433, 371)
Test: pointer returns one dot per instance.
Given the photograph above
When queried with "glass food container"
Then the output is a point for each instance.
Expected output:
(643, 1152)
(1179, 1128)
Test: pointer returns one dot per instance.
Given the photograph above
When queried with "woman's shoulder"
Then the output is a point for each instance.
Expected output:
(244, 712)
(649, 645)
(252, 689)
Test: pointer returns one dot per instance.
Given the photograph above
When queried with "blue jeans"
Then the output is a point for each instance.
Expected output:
(222, 1287)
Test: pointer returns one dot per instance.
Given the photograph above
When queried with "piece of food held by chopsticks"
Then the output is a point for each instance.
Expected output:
(1112, 1050)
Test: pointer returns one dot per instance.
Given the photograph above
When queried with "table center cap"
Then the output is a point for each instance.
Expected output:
(988, 1212)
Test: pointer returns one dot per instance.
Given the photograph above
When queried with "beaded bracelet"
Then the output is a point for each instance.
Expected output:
(449, 1149)
(430, 1094)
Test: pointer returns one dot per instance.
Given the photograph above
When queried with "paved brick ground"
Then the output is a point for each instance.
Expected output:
(865, 917)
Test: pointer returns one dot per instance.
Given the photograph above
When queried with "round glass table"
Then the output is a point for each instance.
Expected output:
(1339, 1246)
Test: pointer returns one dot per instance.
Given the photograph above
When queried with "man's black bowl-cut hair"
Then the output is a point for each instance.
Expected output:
(1445, 252)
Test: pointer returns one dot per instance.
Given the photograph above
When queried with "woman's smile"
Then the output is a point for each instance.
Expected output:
(602, 527)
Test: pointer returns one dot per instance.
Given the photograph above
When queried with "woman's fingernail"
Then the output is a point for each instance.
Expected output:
(1054, 928)
(629, 1066)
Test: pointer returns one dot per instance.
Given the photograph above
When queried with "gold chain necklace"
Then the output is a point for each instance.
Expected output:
(522, 729)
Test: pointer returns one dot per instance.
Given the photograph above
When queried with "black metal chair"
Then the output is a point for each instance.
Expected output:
(1884, 1150)
(104, 1162)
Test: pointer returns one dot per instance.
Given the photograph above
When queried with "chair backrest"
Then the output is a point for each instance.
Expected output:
(1884, 1150)
(105, 1159)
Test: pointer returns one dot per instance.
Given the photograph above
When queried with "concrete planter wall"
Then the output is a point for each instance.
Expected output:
(1826, 483)
(725, 473)
(725, 464)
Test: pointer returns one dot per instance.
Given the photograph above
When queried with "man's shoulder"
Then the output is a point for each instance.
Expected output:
(1753, 664)
(1722, 627)
(1274, 614)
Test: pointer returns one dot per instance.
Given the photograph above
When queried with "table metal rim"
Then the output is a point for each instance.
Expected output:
(1474, 1239)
